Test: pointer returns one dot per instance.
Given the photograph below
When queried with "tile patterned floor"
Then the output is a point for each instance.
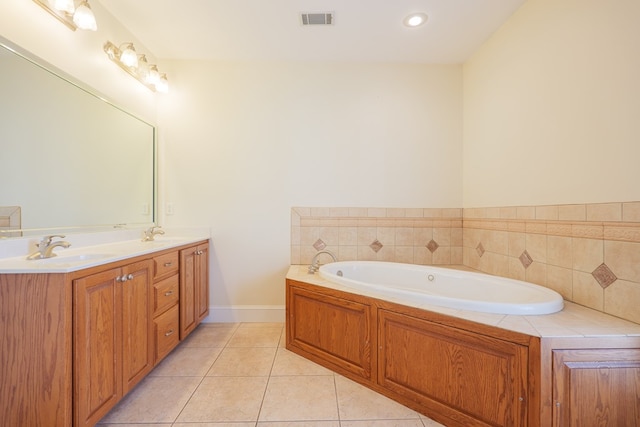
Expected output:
(240, 375)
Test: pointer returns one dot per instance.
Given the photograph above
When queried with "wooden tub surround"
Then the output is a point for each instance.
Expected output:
(578, 367)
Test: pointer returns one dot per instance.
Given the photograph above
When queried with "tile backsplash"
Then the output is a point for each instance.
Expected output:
(589, 253)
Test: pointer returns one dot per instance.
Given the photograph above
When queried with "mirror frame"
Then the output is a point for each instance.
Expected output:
(66, 77)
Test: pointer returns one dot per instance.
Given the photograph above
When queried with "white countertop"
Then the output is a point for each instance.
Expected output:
(573, 321)
(93, 249)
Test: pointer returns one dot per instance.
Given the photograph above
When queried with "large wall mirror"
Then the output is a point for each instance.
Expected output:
(69, 159)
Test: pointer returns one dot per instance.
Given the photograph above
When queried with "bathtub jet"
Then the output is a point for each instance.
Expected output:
(444, 287)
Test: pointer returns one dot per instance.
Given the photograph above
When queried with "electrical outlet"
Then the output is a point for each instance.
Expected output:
(169, 209)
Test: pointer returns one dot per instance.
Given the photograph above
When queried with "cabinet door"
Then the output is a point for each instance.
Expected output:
(188, 319)
(332, 330)
(137, 324)
(97, 346)
(194, 287)
(202, 282)
(596, 387)
(472, 379)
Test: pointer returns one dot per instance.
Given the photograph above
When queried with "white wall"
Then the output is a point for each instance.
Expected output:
(244, 142)
(551, 107)
(79, 53)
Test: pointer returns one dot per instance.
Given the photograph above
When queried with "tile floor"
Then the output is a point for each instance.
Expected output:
(240, 375)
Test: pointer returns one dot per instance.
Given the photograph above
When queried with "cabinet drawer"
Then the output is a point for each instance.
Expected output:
(165, 265)
(167, 332)
(165, 293)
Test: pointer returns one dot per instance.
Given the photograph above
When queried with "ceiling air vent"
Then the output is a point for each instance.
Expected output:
(317, 18)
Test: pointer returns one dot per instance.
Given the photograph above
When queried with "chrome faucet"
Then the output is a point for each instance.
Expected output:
(149, 234)
(46, 246)
(315, 263)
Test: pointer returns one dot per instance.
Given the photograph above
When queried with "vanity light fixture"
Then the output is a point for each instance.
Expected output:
(74, 17)
(415, 20)
(137, 66)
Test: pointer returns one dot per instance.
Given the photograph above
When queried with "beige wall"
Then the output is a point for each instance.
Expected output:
(551, 107)
(245, 142)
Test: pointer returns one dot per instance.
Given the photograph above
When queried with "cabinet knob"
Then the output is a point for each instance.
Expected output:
(121, 279)
(168, 264)
(168, 294)
(130, 277)
(169, 332)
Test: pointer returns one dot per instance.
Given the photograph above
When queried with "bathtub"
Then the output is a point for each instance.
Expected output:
(444, 287)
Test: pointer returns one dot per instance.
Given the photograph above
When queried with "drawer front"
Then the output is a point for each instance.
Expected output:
(167, 332)
(165, 294)
(166, 265)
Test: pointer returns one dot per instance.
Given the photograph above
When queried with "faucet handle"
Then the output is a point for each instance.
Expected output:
(46, 240)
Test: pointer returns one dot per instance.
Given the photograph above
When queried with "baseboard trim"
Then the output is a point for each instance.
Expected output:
(245, 313)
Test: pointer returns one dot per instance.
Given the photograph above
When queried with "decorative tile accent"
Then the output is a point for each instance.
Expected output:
(480, 249)
(526, 259)
(604, 276)
(432, 246)
(376, 246)
(319, 245)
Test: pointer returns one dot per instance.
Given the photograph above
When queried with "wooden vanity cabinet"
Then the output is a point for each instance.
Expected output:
(113, 348)
(194, 287)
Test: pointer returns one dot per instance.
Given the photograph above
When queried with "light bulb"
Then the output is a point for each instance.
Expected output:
(143, 68)
(163, 84)
(84, 17)
(415, 19)
(128, 56)
(64, 5)
(154, 76)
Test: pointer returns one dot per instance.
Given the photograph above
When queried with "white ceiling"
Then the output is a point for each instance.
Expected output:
(364, 30)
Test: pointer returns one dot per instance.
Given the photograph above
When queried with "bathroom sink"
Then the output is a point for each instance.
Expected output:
(66, 259)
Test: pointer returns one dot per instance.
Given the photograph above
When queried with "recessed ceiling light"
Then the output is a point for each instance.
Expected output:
(415, 19)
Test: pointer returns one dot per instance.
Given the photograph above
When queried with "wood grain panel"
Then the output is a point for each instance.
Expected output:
(335, 329)
(35, 350)
(482, 378)
(597, 387)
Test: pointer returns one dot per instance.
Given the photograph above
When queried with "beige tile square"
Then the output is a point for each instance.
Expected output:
(366, 235)
(187, 362)
(288, 363)
(404, 254)
(547, 212)
(422, 236)
(622, 298)
(526, 212)
(404, 236)
(604, 212)
(588, 254)
(207, 335)
(537, 273)
(623, 258)
(348, 236)
(560, 280)
(572, 212)
(154, 400)
(516, 269)
(631, 212)
(356, 402)
(243, 362)
(442, 236)
(517, 243)
(559, 251)
(314, 397)
(442, 256)
(255, 337)
(225, 399)
(587, 291)
(537, 247)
